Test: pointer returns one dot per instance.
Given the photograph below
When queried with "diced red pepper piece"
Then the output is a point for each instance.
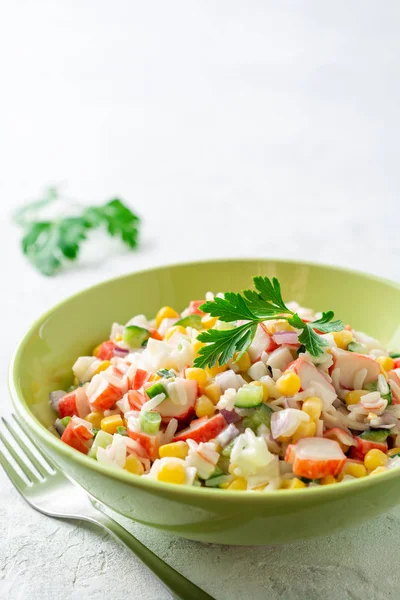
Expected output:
(155, 334)
(194, 307)
(202, 430)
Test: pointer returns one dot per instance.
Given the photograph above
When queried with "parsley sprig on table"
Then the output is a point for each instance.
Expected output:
(255, 306)
(47, 243)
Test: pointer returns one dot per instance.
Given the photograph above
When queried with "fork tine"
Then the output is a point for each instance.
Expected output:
(15, 478)
(28, 434)
(39, 468)
(18, 459)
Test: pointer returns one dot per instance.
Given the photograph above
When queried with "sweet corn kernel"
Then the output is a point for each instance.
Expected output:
(208, 322)
(313, 407)
(281, 326)
(213, 391)
(375, 458)
(196, 374)
(304, 430)
(284, 484)
(103, 366)
(118, 337)
(231, 468)
(95, 418)
(354, 469)
(296, 484)
(133, 465)
(224, 486)
(378, 470)
(166, 312)
(197, 346)
(215, 370)
(384, 373)
(175, 449)
(393, 452)
(288, 384)
(110, 424)
(239, 483)
(75, 381)
(172, 473)
(354, 396)
(264, 389)
(96, 350)
(175, 329)
(328, 480)
(342, 338)
(204, 407)
(386, 362)
(154, 377)
(244, 362)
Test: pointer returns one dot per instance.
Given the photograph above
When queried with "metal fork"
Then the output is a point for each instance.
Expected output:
(53, 494)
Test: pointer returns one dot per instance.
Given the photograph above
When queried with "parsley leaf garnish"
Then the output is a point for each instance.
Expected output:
(255, 306)
(47, 244)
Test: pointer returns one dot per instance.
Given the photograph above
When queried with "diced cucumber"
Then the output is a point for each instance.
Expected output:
(249, 396)
(259, 416)
(382, 387)
(217, 481)
(191, 321)
(135, 336)
(394, 355)
(166, 373)
(122, 430)
(356, 347)
(150, 422)
(65, 421)
(228, 449)
(216, 473)
(102, 440)
(375, 435)
(156, 389)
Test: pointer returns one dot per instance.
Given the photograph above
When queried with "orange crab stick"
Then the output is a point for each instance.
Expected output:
(315, 458)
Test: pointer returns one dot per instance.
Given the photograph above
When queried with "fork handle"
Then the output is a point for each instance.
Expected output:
(180, 587)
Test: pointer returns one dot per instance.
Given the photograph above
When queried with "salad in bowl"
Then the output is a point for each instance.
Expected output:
(240, 391)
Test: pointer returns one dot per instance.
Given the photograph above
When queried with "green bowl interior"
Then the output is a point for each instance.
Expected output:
(45, 356)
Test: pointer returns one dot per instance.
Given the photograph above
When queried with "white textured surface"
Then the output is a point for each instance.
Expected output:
(274, 127)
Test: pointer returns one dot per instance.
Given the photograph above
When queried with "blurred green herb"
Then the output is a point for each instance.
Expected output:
(48, 243)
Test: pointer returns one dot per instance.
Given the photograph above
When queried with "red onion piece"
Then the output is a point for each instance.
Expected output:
(55, 398)
(230, 416)
(120, 352)
(286, 337)
(227, 435)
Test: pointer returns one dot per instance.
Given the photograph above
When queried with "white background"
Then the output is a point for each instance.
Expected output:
(251, 128)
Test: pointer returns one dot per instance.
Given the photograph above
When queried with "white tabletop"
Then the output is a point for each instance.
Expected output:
(234, 129)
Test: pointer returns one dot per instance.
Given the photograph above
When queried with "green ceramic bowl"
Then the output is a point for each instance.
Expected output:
(43, 363)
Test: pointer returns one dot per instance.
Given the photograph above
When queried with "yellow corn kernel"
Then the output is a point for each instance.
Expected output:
(208, 321)
(384, 373)
(96, 350)
(328, 480)
(342, 338)
(354, 469)
(231, 468)
(166, 312)
(197, 346)
(110, 424)
(304, 430)
(378, 470)
(102, 366)
(196, 374)
(175, 449)
(354, 396)
(204, 407)
(154, 377)
(215, 370)
(213, 391)
(172, 473)
(375, 458)
(118, 337)
(133, 465)
(284, 484)
(288, 384)
(239, 483)
(244, 362)
(175, 329)
(313, 407)
(281, 326)
(264, 389)
(393, 452)
(296, 484)
(95, 418)
(75, 381)
(386, 362)
(224, 486)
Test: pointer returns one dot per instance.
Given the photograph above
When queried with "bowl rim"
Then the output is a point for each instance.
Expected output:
(187, 492)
